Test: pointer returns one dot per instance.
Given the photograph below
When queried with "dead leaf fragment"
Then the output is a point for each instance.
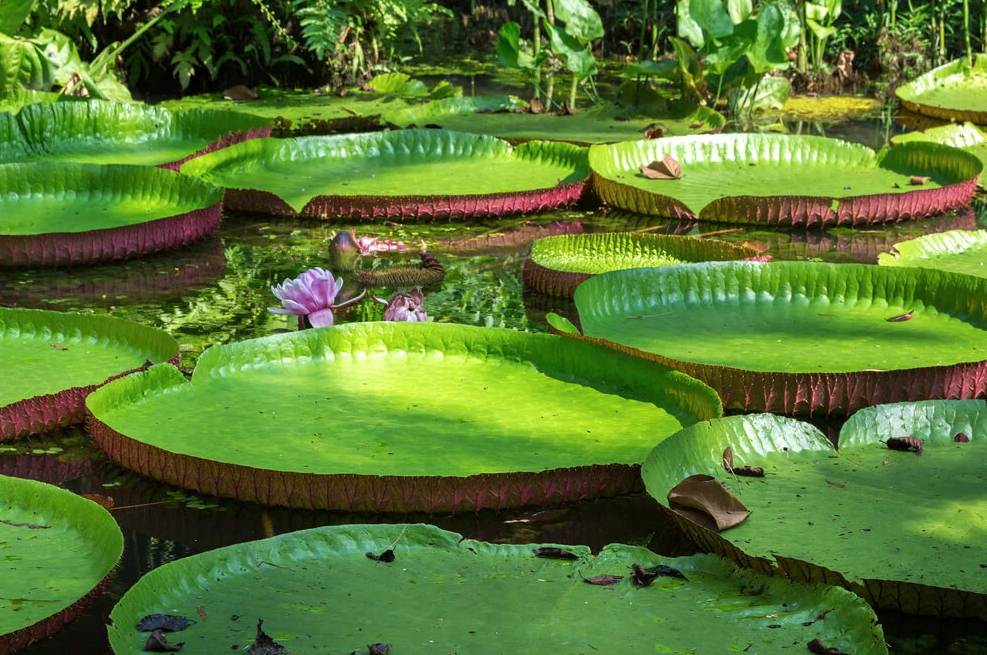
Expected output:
(239, 92)
(645, 576)
(907, 316)
(604, 580)
(704, 500)
(906, 444)
(106, 502)
(387, 556)
(961, 438)
(918, 180)
(653, 131)
(748, 471)
(536, 106)
(666, 169)
(57, 346)
(379, 649)
(819, 648)
(550, 552)
(264, 645)
(567, 110)
(158, 643)
(165, 622)
(201, 611)
(728, 458)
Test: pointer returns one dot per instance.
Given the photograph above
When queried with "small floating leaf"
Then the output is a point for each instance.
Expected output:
(604, 580)
(653, 131)
(166, 622)
(158, 643)
(961, 438)
(387, 556)
(703, 499)
(907, 444)
(907, 316)
(666, 169)
(550, 552)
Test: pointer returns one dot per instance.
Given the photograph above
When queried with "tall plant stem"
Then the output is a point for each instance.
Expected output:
(573, 90)
(966, 30)
(894, 14)
(644, 28)
(803, 46)
(536, 43)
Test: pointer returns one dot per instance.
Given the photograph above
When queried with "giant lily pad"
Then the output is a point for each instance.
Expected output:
(959, 251)
(966, 136)
(446, 594)
(407, 174)
(62, 214)
(903, 531)
(799, 338)
(399, 417)
(59, 551)
(559, 264)
(587, 127)
(785, 180)
(956, 91)
(103, 132)
(52, 361)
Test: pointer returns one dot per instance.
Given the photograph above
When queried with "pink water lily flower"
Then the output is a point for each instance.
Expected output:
(311, 296)
(406, 307)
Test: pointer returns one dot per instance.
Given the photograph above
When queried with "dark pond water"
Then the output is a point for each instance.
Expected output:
(218, 292)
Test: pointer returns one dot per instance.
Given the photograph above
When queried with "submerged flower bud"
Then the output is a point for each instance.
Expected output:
(311, 294)
(406, 307)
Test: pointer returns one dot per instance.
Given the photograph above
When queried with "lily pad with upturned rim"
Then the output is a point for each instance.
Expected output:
(959, 251)
(467, 596)
(799, 338)
(62, 214)
(966, 137)
(59, 552)
(399, 417)
(51, 361)
(104, 132)
(901, 530)
(785, 180)
(955, 91)
(559, 264)
(410, 174)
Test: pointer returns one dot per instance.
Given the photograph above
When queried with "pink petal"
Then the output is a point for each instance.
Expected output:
(321, 318)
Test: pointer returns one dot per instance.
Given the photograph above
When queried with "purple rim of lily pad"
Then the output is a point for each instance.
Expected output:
(32, 634)
(41, 414)
(367, 493)
(958, 115)
(43, 468)
(800, 211)
(822, 394)
(110, 244)
(409, 207)
(229, 139)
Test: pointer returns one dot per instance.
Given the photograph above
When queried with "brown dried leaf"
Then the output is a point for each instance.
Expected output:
(666, 169)
(379, 649)
(387, 556)
(239, 92)
(103, 501)
(817, 647)
(907, 316)
(57, 346)
(918, 180)
(748, 471)
(166, 622)
(536, 106)
(604, 579)
(728, 458)
(704, 500)
(201, 611)
(653, 131)
(906, 444)
(961, 438)
(264, 645)
(158, 643)
(550, 552)
(567, 110)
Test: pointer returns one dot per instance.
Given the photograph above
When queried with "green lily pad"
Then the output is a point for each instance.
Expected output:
(399, 417)
(559, 264)
(103, 132)
(956, 91)
(60, 214)
(405, 174)
(966, 136)
(958, 251)
(587, 127)
(799, 338)
(12, 101)
(446, 594)
(785, 180)
(51, 361)
(59, 551)
(901, 530)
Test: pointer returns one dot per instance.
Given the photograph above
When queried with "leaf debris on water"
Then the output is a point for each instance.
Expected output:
(264, 645)
(906, 444)
(201, 611)
(550, 552)
(819, 648)
(29, 526)
(57, 346)
(604, 579)
(668, 168)
(907, 316)
(918, 180)
(643, 577)
(166, 622)
(379, 649)
(158, 643)
(387, 556)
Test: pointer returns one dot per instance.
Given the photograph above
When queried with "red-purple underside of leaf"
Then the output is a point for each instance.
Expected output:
(43, 468)
(230, 139)
(561, 284)
(42, 414)
(910, 598)
(801, 211)
(32, 634)
(112, 244)
(367, 493)
(958, 115)
(825, 394)
(409, 207)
